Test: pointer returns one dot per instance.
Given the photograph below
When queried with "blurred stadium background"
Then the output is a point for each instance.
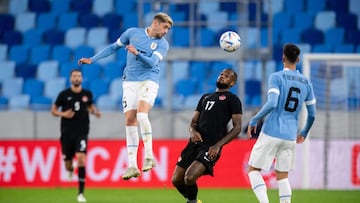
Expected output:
(41, 40)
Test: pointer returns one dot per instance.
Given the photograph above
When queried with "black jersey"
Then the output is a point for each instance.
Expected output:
(79, 103)
(216, 110)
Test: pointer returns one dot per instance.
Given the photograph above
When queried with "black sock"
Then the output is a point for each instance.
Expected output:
(191, 191)
(182, 189)
(81, 174)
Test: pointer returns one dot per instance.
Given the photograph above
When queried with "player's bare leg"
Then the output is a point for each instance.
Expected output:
(178, 180)
(192, 174)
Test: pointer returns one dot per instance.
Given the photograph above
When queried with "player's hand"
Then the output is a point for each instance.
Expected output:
(132, 49)
(84, 61)
(195, 137)
(300, 139)
(68, 113)
(97, 114)
(251, 130)
(213, 152)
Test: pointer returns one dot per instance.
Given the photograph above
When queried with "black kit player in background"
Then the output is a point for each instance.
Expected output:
(208, 134)
(76, 103)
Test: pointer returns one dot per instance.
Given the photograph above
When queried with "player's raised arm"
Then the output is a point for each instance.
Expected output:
(107, 51)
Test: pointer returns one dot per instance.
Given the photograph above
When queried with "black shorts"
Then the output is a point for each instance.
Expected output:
(72, 143)
(199, 153)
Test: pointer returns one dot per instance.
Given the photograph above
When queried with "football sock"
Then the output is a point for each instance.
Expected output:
(284, 190)
(146, 132)
(191, 191)
(181, 189)
(81, 175)
(132, 143)
(258, 186)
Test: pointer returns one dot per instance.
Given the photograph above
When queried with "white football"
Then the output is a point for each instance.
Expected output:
(230, 41)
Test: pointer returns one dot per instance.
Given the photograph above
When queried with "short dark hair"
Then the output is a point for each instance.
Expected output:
(74, 70)
(235, 74)
(291, 52)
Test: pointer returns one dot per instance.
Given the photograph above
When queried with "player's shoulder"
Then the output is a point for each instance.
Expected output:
(233, 96)
(277, 73)
(163, 42)
(206, 95)
(134, 30)
(65, 91)
(86, 91)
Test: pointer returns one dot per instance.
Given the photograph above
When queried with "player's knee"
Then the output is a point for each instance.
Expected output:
(142, 117)
(281, 175)
(189, 179)
(175, 180)
(81, 159)
(130, 118)
(81, 162)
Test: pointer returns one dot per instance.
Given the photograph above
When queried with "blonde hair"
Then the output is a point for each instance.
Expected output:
(164, 18)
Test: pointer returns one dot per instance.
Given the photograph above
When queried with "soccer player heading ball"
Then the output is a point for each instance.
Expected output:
(146, 48)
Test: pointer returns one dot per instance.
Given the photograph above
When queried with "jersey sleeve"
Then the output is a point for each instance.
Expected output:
(199, 105)
(162, 50)
(91, 98)
(157, 56)
(59, 99)
(310, 98)
(236, 106)
(271, 101)
(273, 83)
(124, 38)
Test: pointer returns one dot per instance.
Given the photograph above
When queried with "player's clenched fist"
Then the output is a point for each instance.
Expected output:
(84, 61)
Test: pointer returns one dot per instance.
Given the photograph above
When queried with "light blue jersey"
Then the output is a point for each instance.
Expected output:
(144, 66)
(155, 48)
(288, 90)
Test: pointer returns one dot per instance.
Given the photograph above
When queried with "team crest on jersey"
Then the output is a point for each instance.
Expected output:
(153, 46)
(85, 99)
(222, 97)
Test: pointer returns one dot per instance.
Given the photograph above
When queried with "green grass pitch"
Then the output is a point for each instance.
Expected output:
(166, 195)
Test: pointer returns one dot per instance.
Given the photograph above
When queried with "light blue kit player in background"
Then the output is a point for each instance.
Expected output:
(287, 91)
(146, 49)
